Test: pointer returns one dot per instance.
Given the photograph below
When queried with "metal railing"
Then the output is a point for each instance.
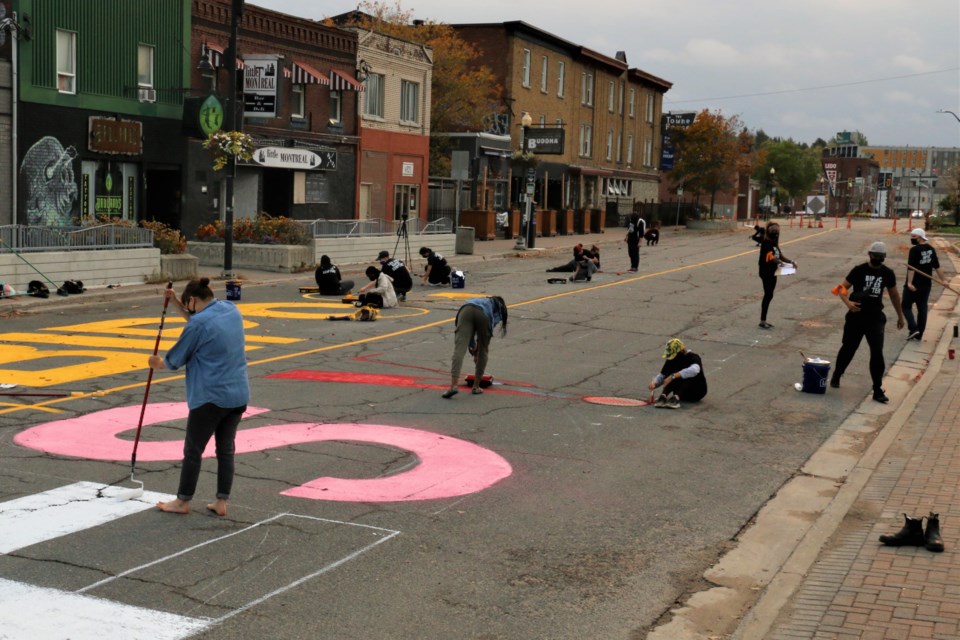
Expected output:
(373, 227)
(25, 238)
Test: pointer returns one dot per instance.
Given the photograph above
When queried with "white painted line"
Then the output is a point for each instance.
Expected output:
(43, 516)
(39, 614)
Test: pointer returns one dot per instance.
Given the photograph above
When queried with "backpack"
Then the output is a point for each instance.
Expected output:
(38, 289)
(73, 286)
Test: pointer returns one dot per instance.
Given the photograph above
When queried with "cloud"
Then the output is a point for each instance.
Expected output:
(912, 64)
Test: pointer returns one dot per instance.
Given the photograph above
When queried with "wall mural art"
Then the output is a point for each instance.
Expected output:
(50, 184)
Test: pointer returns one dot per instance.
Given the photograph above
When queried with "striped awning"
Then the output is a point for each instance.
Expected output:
(340, 81)
(217, 57)
(302, 73)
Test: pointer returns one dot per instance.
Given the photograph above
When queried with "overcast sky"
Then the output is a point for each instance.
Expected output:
(798, 69)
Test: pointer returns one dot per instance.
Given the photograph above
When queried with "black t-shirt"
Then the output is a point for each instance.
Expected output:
(868, 285)
(697, 384)
(395, 268)
(768, 267)
(923, 257)
(636, 231)
(328, 279)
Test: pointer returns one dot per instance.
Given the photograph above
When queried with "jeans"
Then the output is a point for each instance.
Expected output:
(858, 326)
(204, 422)
(919, 298)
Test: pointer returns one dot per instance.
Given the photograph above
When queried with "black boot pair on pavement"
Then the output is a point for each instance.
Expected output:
(913, 535)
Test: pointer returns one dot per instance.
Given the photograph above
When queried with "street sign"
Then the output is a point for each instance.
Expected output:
(544, 141)
(816, 205)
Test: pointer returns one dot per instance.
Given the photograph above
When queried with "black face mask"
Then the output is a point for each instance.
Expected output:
(914, 241)
(774, 236)
(877, 260)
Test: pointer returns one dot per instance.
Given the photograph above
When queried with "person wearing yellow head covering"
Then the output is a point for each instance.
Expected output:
(681, 376)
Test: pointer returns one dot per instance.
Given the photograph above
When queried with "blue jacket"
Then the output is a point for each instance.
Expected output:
(212, 348)
(489, 308)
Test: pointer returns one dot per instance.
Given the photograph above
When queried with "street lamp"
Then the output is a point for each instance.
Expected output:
(773, 190)
(950, 112)
(529, 232)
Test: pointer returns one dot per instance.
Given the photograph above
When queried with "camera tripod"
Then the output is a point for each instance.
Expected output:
(402, 233)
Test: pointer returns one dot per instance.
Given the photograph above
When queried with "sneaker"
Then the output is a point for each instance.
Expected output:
(913, 335)
(661, 402)
(765, 325)
(673, 402)
(880, 396)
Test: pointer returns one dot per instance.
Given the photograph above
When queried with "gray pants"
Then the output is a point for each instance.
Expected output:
(471, 320)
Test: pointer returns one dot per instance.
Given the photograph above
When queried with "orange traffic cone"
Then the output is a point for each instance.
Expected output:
(848, 222)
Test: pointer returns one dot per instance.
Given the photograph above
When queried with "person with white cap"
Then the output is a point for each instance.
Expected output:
(916, 291)
(681, 376)
(862, 293)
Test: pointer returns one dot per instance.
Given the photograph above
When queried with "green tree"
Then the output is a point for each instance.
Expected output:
(796, 168)
(707, 154)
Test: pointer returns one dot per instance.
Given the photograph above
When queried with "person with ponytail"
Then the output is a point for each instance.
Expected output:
(475, 322)
(211, 347)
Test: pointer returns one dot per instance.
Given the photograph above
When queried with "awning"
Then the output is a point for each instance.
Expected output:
(217, 57)
(340, 81)
(302, 73)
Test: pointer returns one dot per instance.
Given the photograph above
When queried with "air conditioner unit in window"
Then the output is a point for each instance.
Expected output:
(146, 94)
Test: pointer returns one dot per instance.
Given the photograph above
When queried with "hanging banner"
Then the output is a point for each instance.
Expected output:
(260, 86)
(679, 120)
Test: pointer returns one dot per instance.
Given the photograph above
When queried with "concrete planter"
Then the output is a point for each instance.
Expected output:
(176, 267)
(711, 225)
(282, 258)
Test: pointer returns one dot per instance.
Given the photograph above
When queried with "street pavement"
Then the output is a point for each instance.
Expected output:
(549, 517)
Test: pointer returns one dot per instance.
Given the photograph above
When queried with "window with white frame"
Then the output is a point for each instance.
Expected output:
(650, 107)
(336, 105)
(609, 144)
(561, 69)
(373, 96)
(612, 94)
(297, 102)
(620, 101)
(630, 149)
(66, 61)
(409, 101)
(619, 187)
(619, 148)
(543, 121)
(647, 153)
(586, 139)
(586, 88)
(633, 102)
(526, 68)
(543, 74)
(145, 66)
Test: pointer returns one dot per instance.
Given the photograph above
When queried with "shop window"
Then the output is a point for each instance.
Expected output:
(66, 61)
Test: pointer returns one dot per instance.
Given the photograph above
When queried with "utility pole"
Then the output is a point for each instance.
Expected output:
(230, 121)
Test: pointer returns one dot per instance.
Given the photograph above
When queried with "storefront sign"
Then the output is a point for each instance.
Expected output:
(287, 158)
(108, 190)
(123, 137)
(544, 141)
(211, 115)
(260, 87)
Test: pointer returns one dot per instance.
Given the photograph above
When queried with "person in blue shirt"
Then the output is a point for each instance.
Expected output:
(475, 322)
(211, 346)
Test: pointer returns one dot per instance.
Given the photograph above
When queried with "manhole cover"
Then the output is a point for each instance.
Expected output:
(615, 402)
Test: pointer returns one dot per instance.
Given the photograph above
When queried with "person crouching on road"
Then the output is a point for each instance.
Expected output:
(378, 292)
(437, 271)
(475, 322)
(681, 376)
(328, 279)
(394, 267)
(211, 346)
(862, 293)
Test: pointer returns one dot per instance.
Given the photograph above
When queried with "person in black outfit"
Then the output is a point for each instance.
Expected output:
(437, 271)
(769, 262)
(653, 233)
(758, 234)
(681, 376)
(862, 293)
(635, 230)
(916, 291)
(394, 267)
(328, 279)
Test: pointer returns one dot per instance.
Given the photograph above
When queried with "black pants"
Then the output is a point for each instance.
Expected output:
(858, 326)
(688, 390)
(634, 250)
(204, 422)
(920, 297)
(371, 299)
(769, 284)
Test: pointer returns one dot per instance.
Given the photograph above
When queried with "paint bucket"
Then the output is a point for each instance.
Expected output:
(815, 375)
(233, 290)
(458, 280)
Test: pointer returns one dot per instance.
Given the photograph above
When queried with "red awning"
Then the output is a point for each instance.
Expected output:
(217, 58)
(340, 81)
(302, 73)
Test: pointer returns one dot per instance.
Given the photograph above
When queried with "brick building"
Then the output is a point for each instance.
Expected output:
(609, 114)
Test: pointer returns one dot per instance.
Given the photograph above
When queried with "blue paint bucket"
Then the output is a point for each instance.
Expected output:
(458, 280)
(816, 372)
(233, 290)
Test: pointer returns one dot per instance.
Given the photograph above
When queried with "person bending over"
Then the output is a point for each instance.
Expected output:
(394, 267)
(475, 322)
(681, 376)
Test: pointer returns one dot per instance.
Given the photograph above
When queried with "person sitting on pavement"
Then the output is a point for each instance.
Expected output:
(572, 265)
(681, 376)
(588, 264)
(437, 271)
(394, 267)
(328, 279)
(378, 293)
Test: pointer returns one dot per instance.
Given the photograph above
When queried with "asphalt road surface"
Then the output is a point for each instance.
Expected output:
(366, 506)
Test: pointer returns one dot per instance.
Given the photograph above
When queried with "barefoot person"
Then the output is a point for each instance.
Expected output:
(212, 348)
(475, 322)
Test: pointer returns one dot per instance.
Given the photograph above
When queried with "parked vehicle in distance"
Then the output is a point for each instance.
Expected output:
(916, 214)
